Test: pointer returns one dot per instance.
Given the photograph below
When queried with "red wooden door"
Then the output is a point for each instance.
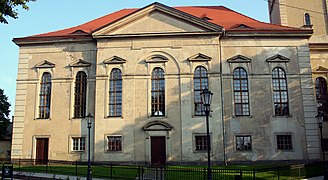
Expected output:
(42, 150)
(158, 151)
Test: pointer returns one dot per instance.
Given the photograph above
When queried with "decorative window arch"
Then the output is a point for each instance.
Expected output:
(307, 19)
(115, 93)
(80, 95)
(321, 96)
(240, 89)
(280, 92)
(158, 92)
(200, 83)
(45, 96)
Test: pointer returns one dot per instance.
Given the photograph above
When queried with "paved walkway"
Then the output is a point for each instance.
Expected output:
(315, 178)
(50, 176)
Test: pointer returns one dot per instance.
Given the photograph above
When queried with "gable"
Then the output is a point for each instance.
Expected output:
(157, 19)
(156, 22)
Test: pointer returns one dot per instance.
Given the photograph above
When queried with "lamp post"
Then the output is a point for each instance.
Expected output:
(320, 121)
(89, 118)
(207, 98)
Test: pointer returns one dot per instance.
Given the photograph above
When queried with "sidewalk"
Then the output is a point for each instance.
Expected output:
(315, 178)
(49, 176)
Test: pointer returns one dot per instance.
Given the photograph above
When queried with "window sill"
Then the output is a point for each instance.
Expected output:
(76, 152)
(284, 116)
(45, 119)
(113, 152)
(242, 116)
(203, 151)
(114, 117)
(158, 117)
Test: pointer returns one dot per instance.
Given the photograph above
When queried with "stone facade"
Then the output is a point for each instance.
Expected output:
(178, 45)
(292, 13)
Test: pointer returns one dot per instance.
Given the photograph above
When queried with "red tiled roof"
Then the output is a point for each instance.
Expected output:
(219, 15)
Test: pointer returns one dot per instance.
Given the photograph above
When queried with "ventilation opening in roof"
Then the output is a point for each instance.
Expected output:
(205, 17)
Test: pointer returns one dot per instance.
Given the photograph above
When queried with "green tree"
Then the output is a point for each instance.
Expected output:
(8, 8)
(4, 114)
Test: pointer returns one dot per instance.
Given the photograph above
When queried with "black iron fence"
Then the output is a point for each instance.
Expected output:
(107, 170)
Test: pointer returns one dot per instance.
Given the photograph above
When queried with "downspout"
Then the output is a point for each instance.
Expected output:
(325, 13)
(222, 102)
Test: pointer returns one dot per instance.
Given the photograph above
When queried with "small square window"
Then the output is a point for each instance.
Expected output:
(284, 142)
(114, 143)
(78, 143)
(244, 143)
(200, 143)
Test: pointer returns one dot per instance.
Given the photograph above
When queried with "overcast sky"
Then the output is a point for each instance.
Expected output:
(45, 16)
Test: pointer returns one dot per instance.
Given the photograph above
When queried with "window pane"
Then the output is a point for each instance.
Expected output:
(158, 93)
(45, 95)
(240, 83)
(80, 95)
(243, 143)
(280, 93)
(200, 83)
(114, 143)
(115, 93)
(284, 142)
(200, 143)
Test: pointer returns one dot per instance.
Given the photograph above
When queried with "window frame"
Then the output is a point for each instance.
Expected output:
(158, 91)
(284, 146)
(198, 101)
(241, 92)
(243, 141)
(277, 88)
(203, 144)
(115, 79)
(321, 93)
(307, 20)
(45, 96)
(79, 143)
(80, 94)
(110, 150)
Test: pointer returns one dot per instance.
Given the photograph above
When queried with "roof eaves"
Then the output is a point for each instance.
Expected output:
(51, 39)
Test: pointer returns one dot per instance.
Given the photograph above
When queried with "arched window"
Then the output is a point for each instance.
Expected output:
(115, 93)
(280, 92)
(158, 92)
(80, 95)
(240, 89)
(45, 95)
(307, 19)
(321, 96)
(200, 83)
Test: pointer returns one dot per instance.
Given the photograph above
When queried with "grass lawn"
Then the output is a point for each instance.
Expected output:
(179, 172)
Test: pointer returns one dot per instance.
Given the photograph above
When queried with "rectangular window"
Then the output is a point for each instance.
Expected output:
(244, 143)
(78, 143)
(284, 142)
(201, 143)
(114, 143)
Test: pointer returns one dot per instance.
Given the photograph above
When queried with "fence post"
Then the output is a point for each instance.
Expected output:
(111, 171)
(161, 173)
(241, 174)
(142, 171)
(205, 173)
(47, 167)
(253, 173)
(278, 173)
(75, 168)
(19, 164)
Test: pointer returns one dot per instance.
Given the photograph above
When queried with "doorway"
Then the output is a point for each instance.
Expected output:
(158, 151)
(42, 145)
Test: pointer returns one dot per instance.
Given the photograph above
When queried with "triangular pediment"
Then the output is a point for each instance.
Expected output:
(278, 58)
(239, 59)
(199, 57)
(80, 63)
(45, 64)
(157, 19)
(114, 60)
(321, 69)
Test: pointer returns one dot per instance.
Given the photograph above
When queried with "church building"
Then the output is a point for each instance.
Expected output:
(140, 72)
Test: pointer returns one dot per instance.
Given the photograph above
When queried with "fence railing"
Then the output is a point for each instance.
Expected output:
(109, 170)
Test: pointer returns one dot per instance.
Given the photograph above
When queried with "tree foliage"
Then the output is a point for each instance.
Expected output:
(4, 114)
(9, 8)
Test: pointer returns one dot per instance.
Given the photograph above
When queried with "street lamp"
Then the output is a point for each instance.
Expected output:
(89, 118)
(207, 98)
(320, 121)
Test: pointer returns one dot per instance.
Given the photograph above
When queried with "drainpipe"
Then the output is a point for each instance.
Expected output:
(222, 102)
